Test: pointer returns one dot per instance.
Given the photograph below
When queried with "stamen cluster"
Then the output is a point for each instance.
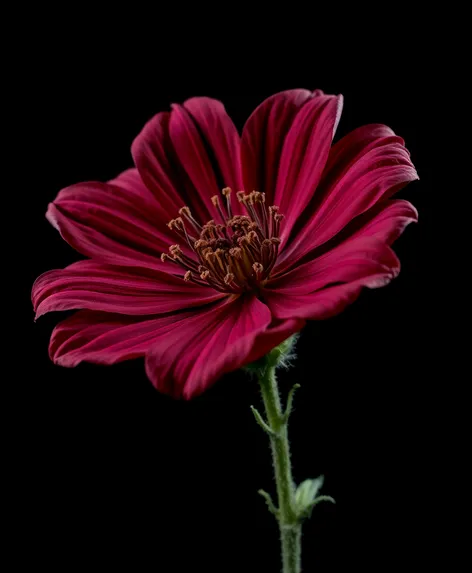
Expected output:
(235, 254)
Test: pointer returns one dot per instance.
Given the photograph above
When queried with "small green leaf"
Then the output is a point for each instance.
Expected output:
(288, 409)
(307, 491)
(306, 496)
(281, 354)
(270, 503)
(317, 500)
(278, 356)
(261, 422)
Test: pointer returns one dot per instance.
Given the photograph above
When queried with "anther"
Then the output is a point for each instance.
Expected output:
(205, 275)
(229, 278)
(184, 211)
(175, 250)
(187, 276)
(227, 193)
(200, 244)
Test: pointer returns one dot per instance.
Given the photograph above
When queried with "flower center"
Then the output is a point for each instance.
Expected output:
(233, 255)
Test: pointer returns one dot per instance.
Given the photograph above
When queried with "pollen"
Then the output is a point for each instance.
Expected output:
(231, 253)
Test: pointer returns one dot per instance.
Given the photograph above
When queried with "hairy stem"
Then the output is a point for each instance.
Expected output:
(290, 526)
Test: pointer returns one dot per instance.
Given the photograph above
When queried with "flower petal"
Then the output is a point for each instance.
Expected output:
(263, 138)
(102, 338)
(365, 167)
(304, 155)
(107, 223)
(385, 221)
(133, 186)
(196, 351)
(207, 145)
(155, 159)
(94, 286)
(320, 305)
(186, 352)
(362, 261)
(221, 140)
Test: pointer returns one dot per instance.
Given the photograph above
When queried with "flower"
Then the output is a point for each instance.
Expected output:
(216, 248)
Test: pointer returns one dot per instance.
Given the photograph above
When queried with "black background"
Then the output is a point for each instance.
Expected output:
(114, 474)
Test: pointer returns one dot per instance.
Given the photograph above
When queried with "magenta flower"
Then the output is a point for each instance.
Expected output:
(216, 248)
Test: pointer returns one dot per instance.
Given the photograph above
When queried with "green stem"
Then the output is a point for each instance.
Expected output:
(290, 527)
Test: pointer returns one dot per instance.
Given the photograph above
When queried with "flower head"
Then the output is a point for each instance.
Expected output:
(216, 248)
